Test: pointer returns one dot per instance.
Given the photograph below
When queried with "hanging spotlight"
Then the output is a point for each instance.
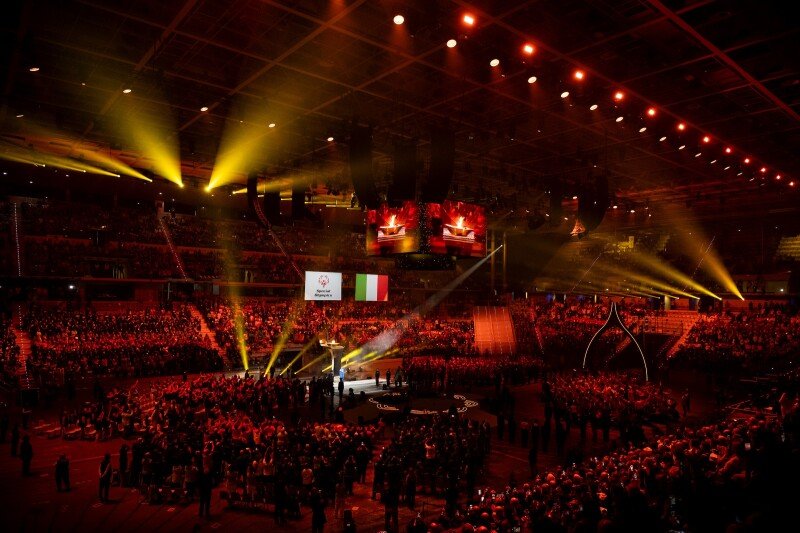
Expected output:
(620, 119)
(452, 43)
(619, 96)
(763, 169)
(746, 160)
(271, 125)
(698, 154)
(564, 94)
(681, 126)
(778, 177)
(532, 79)
(791, 184)
(330, 139)
(204, 108)
(494, 62)
(642, 129)
(681, 147)
(399, 19)
(651, 112)
(662, 139)
(706, 139)
(579, 75)
(593, 107)
(528, 49)
(126, 91)
(728, 150)
(468, 19)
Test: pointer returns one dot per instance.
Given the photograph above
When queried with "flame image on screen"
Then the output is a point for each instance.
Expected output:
(393, 227)
(459, 229)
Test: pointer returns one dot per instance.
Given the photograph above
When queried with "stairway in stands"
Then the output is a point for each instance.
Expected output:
(206, 331)
(494, 332)
(687, 320)
(16, 229)
(175, 254)
(24, 342)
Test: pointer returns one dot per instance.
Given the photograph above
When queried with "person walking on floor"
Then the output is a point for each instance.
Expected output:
(105, 478)
(26, 454)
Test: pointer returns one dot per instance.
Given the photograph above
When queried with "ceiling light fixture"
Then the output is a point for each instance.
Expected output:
(330, 139)
(620, 119)
(778, 177)
(706, 139)
(763, 169)
(651, 112)
(698, 154)
(681, 126)
(399, 19)
(619, 96)
(126, 91)
(681, 147)
(33, 69)
(20, 115)
(579, 75)
(494, 62)
(642, 130)
(564, 94)
(593, 107)
(468, 19)
(746, 160)
(204, 108)
(452, 43)
(662, 139)
(528, 49)
(532, 79)
(271, 124)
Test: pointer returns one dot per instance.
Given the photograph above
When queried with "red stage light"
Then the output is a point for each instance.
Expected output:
(681, 126)
(706, 139)
(528, 48)
(728, 150)
(651, 112)
(746, 160)
(778, 177)
(763, 169)
(579, 75)
(618, 96)
(468, 19)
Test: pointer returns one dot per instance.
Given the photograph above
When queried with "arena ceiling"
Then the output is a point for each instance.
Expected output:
(726, 70)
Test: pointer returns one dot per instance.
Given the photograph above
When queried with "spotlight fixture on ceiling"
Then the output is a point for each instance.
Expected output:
(778, 177)
(126, 91)
(399, 19)
(681, 126)
(330, 139)
(728, 150)
(642, 129)
(271, 124)
(204, 108)
(681, 147)
(528, 49)
(706, 139)
(662, 139)
(593, 107)
(452, 43)
(763, 169)
(468, 19)
(564, 94)
(579, 75)
(619, 119)
(746, 160)
(651, 112)
(532, 79)
(619, 96)
(33, 69)
(494, 62)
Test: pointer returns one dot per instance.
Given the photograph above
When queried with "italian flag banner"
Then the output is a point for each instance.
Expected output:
(372, 288)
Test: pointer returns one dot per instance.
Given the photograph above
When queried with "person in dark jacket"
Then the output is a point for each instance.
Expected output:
(62, 473)
(377, 378)
(26, 454)
(105, 478)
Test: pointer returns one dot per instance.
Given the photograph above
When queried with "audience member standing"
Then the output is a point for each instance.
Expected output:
(206, 485)
(377, 378)
(318, 517)
(26, 454)
(105, 478)
(62, 473)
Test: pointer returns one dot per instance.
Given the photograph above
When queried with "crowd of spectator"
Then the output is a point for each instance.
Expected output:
(737, 467)
(439, 373)
(752, 339)
(152, 342)
(9, 352)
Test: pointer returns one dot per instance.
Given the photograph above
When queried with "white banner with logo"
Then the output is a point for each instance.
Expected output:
(323, 285)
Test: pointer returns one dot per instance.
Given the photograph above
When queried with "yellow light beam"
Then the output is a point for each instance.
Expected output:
(313, 362)
(300, 354)
(288, 327)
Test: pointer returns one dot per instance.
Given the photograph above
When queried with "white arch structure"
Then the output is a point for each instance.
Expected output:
(613, 316)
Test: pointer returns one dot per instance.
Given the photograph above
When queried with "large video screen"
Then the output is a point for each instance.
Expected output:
(323, 285)
(457, 228)
(393, 230)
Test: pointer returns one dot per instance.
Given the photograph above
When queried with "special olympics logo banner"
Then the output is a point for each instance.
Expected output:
(323, 285)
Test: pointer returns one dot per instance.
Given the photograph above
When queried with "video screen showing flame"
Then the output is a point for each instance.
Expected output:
(393, 230)
(457, 228)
